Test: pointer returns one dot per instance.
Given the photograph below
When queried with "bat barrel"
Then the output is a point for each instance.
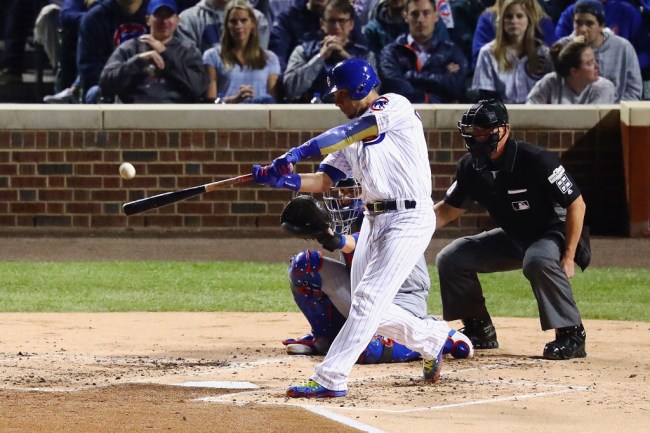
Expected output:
(163, 199)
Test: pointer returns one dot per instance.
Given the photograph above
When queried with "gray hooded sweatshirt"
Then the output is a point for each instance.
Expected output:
(617, 61)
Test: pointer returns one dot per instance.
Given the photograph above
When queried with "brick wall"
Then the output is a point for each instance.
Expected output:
(67, 178)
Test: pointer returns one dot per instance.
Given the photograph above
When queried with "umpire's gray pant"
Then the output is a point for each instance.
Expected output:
(494, 251)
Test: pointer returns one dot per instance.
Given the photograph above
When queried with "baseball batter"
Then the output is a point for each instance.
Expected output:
(385, 150)
(321, 288)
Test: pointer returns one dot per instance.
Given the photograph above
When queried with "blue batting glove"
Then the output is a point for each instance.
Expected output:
(290, 181)
(264, 175)
(283, 164)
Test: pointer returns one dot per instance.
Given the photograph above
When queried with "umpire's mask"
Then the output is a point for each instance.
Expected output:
(486, 114)
(344, 204)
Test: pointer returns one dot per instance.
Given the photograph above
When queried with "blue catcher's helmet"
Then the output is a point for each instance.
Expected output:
(353, 74)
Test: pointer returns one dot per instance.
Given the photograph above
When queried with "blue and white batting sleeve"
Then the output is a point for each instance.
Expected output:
(337, 138)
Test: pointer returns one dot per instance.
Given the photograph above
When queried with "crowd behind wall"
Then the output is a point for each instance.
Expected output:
(284, 25)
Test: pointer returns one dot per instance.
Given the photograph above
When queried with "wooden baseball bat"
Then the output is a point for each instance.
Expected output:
(156, 201)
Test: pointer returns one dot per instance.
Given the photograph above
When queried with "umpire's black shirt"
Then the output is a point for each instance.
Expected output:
(526, 191)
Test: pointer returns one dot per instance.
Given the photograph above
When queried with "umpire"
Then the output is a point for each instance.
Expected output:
(539, 211)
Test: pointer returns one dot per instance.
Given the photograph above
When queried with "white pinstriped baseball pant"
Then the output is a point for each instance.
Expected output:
(389, 246)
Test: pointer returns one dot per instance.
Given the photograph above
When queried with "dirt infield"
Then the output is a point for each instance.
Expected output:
(122, 372)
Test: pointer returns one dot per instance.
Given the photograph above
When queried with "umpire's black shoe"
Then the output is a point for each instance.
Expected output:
(481, 333)
(569, 343)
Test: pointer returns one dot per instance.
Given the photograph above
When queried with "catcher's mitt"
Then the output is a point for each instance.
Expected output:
(305, 217)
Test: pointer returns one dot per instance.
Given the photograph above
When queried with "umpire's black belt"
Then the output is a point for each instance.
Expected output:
(377, 207)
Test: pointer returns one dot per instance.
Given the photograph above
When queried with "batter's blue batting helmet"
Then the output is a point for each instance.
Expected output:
(356, 75)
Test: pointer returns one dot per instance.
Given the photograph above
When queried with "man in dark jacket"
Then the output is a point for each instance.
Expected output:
(299, 23)
(310, 62)
(389, 24)
(157, 67)
(420, 66)
(103, 28)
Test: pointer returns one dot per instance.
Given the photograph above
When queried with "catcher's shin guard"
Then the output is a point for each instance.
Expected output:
(324, 318)
(384, 350)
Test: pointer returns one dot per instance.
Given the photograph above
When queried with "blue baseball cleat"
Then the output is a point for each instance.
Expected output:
(311, 389)
(431, 368)
(458, 345)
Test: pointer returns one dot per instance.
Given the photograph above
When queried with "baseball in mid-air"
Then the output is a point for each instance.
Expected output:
(127, 171)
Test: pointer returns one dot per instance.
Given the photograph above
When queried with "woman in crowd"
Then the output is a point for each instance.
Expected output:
(240, 70)
(509, 66)
(575, 80)
(486, 27)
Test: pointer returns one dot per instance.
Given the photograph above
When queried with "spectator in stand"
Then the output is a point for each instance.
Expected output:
(617, 60)
(510, 65)
(240, 70)
(620, 17)
(299, 23)
(311, 61)
(624, 20)
(68, 83)
(421, 67)
(575, 80)
(156, 68)
(389, 23)
(487, 22)
(18, 26)
(102, 29)
(203, 24)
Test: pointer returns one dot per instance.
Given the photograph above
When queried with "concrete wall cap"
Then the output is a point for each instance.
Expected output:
(46, 116)
(635, 113)
(180, 116)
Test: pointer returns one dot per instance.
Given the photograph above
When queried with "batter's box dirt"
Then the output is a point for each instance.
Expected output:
(393, 389)
(116, 370)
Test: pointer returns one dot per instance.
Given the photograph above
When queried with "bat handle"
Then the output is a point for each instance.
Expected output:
(232, 181)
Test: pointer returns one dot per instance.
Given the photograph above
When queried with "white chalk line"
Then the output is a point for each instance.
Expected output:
(318, 410)
(468, 403)
(342, 419)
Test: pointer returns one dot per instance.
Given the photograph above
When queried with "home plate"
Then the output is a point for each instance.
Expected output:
(220, 384)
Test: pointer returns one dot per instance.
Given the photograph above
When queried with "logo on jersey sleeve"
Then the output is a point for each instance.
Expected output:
(559, 178)
(379, 104)
(520, 205)
(451, 188)
(375, 139)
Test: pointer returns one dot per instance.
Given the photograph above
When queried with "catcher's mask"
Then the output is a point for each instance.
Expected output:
(486, 114)
(343, 202)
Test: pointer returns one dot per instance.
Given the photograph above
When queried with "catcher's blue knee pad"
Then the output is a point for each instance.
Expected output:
(304, 270)
(384, 350)
(306, 284)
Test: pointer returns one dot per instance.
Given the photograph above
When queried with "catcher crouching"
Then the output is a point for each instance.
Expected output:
(321, 285)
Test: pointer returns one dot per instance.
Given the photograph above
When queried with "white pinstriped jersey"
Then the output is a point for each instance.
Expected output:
(395, 163)
(392, 165)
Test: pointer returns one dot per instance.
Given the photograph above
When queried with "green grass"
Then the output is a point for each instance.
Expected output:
(601, 293)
